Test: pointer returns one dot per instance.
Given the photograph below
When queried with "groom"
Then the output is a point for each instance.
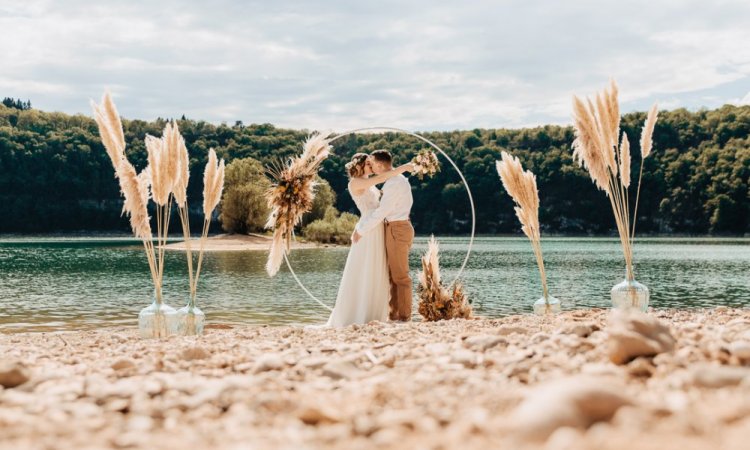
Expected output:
(394, 209)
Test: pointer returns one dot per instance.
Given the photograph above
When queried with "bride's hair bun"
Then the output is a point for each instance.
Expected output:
(356, 167)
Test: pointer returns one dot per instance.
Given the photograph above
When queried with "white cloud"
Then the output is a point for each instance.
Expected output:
(418, 65)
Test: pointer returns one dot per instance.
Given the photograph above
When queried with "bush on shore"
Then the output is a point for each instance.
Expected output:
(333, 228)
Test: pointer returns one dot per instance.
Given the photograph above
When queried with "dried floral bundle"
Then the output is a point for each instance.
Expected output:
(521, 186)
(425, 164)
(599, 148)
(291, 195)
(435, 301)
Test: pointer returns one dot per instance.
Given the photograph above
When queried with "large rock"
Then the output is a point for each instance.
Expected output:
(13, 374)
(576, 402)
(633, 334)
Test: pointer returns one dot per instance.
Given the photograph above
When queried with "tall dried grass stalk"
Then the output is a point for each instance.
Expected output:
(134, 187)
(113, 140)
(435, 301)
(180, 198)
(213, 185)
(596, 148)
(647, 143)
(521, 186)
(291, 195)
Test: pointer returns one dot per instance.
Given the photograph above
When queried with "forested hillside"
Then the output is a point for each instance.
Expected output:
(56, 176)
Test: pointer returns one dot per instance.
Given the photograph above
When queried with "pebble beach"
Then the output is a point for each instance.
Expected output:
(589, 379)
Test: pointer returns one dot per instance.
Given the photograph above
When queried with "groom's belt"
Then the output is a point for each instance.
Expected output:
(390, 222)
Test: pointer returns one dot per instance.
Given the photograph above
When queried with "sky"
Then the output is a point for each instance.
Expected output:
(339, 65)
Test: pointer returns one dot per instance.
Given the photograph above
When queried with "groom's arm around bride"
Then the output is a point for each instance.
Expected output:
(394, 210)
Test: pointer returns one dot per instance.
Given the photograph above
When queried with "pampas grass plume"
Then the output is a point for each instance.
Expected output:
(648, 132)
(625, 161)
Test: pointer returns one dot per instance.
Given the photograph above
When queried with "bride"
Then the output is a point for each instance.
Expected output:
(364, 291)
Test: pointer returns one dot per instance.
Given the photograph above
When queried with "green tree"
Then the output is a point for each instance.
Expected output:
(324, 199)
(243, 205)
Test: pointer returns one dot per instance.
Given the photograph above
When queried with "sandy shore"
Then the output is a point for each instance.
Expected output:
(238, 242)
(575, 381)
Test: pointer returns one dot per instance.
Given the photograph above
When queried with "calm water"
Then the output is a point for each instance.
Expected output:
(88, 283)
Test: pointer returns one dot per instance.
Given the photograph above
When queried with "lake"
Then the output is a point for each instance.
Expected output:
(85, 283)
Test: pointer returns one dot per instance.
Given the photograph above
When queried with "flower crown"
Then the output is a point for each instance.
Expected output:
(356, 161)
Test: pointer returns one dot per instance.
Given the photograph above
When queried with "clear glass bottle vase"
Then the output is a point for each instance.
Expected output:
(157, 319)
(630, 294)
(547, 305)
(190, 319)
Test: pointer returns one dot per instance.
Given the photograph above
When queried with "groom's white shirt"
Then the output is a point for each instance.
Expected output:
(395, 204)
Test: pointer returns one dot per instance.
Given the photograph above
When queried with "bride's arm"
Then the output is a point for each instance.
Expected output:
(360, 184)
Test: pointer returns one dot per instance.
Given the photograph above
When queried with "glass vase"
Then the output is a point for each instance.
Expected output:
(630, 294)
(547, 305)
(190, 319)
(157, 319)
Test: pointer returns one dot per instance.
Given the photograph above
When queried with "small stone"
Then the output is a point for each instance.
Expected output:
(364, 425)
(719, 376)
(340, 370)
(641, 367)
(505, 330)
(123, 364)
(218, 326)
(269, 362)
(633, 334)
(196, 352)
(140, 423)
(576, 402)
(315, 416)
(313, 362)
(484, 342)
(464, 357)
(564, 438)
(118, 338)
(13, 374)
(740, 349)
(579, 329)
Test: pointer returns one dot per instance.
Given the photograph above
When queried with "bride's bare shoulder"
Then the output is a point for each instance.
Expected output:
(353, 191)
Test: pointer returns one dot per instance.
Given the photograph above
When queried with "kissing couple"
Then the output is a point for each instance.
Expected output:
(376, 284)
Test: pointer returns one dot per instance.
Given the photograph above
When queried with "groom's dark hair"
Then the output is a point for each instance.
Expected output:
(383, 156)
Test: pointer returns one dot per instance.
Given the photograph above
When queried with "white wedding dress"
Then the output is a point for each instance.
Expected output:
(364, 291)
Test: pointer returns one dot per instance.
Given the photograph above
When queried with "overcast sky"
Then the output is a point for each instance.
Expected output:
(419, 65)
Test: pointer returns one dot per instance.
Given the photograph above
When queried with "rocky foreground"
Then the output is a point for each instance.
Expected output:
(582, 380)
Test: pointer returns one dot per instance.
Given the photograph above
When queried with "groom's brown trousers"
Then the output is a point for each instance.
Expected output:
(399, 236)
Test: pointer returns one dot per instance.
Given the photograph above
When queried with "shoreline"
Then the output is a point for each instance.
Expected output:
(239, 242)
(519, 381)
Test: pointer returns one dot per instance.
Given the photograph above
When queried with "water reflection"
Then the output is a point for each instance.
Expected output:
(85, 283)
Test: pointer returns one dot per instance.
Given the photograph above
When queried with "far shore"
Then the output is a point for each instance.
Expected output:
(239, 242)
